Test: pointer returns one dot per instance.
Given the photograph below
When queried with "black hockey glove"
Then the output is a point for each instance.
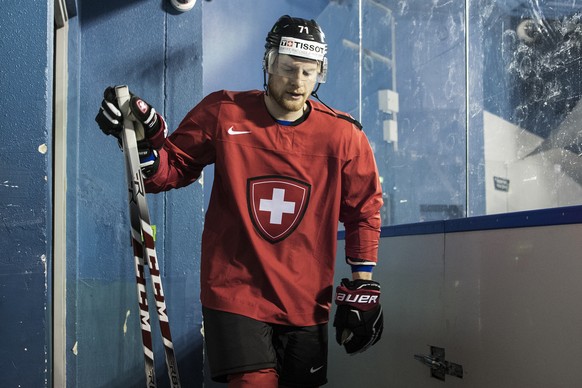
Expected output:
(109, 117)
(359, 320)
(110, 120)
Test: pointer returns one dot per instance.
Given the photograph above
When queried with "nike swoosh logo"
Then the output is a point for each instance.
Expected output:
(232, 131)
(313, 370)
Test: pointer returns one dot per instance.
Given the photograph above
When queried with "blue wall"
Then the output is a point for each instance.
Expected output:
(25, 176)
(157, 52)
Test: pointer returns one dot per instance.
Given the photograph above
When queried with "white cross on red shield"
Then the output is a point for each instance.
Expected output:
(277, 205)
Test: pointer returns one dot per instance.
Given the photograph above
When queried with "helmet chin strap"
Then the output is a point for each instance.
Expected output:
(314, 93)
(339, 115)
(265, 86)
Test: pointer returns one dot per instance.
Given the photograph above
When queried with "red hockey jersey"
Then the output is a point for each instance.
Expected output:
(270, 233)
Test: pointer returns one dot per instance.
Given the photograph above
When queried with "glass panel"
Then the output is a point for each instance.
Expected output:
(531, 84)
(413, 104)
(472, 106)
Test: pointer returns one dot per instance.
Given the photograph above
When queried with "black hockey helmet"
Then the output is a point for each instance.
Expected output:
(297, 37)
(292, 27)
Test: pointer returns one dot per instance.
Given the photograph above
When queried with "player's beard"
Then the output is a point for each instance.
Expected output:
(281, 94)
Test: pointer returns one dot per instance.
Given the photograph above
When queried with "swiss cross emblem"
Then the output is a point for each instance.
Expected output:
(277, 205)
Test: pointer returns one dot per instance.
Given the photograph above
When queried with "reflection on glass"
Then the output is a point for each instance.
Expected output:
(472, 107)
(413, 106)
(532, 114)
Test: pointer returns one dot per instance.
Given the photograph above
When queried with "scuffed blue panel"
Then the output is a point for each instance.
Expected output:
(158, 53)
(25, 146)
(24, 351)
(107, 336)
(120, 44)
(25, 202)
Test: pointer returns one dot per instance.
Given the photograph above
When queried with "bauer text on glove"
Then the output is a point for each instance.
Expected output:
(359, 320)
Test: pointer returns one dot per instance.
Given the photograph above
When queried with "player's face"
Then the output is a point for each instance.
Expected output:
(291, 82)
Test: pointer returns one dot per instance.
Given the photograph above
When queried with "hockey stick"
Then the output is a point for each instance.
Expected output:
(144, 250)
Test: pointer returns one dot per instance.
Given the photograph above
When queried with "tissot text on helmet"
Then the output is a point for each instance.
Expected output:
(293, 46)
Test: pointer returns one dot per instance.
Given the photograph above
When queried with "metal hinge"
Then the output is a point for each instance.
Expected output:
(439, 367)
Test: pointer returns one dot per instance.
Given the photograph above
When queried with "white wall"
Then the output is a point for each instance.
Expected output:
(503, 303)
(538, 181)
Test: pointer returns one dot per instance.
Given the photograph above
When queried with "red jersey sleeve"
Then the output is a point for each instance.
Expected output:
(185, 152)
(361, 202)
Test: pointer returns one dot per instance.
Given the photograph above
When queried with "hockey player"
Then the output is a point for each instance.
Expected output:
(287, 168)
